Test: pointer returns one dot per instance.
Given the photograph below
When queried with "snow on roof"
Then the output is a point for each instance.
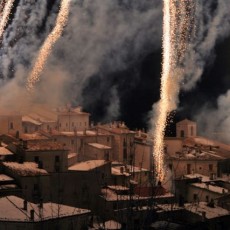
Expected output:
(210, 187)
(44, 145)
(87, 165)
(33, 136)
(112, 224)
(30, 120)
(41, 118)
(210, 212)
(4, 177)
(25, 169)
(4, 151)
(116, 130)
(116, 171)
(70, 155)
(99, 146)
(197, 175)
(110, 195)
(118, 187)
(12, 210)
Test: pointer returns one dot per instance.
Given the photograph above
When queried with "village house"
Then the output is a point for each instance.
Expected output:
(22, 214)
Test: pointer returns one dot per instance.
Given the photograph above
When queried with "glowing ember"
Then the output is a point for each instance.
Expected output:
(48, 44)
(176, 32)
(5, 16)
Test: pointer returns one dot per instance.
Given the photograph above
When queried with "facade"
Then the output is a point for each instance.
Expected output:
(123, 141)
(72, 120)
(10, 123)
(186, 128)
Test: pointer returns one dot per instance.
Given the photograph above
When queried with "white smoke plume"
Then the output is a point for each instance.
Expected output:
(101, 37)
(213, 121)
(212, 24)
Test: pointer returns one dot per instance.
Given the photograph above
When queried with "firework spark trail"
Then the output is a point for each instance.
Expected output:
(164, 101)
(5, 16)
(48, 44)
(177, 22)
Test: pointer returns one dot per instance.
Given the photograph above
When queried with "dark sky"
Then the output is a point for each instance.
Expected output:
(136, 99)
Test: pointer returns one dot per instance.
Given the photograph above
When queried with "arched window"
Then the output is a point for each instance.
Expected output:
(182, 133)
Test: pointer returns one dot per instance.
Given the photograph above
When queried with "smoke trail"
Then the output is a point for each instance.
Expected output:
(5, 16)
(47, 46)
(212, 24)
(101, 38)
(22, 38)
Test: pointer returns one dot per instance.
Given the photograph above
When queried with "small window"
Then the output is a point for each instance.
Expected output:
(108, 139)
(210, 166)
(72, 124)
(36, 159)
(11, 125)
(182, 133)
(195, 196)
(57, 158)
(72, 142)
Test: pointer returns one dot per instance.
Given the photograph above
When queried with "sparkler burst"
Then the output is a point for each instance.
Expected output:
(177, 21)
(5, 15)
(48, 44)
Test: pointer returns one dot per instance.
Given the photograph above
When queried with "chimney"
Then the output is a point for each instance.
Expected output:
(203, 216)
(41, 203)
(25, 205)
(32, 214)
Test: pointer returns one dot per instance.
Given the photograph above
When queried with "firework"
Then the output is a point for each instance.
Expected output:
(177, 20)
(5, 15)
(48, 44)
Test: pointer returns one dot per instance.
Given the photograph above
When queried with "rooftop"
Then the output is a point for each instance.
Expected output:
(210, 212)
(25, 169)
(4, 151)
(12, 210)
(211, 187)
(4, 177)
(117, 128)
(99, 146)
(87, 165)
(44, 146)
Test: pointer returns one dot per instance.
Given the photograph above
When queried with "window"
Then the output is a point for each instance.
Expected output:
(72, 124)
(11, 125)
(72, 142)
(36, 159)
(57, 158)
(108, 139)
(188, 168)
(182, 133)
(195, 197)
(192, 131)
(210, 167)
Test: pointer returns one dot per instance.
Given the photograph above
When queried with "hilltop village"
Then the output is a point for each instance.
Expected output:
(59, 171)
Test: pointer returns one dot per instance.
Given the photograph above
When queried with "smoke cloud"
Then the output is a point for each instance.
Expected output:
(101, 37)
(212, 24)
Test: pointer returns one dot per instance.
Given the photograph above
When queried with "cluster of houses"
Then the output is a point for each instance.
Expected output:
(58, 171)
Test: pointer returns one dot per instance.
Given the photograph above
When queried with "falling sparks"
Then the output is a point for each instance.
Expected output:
(5, 15)
(48, 44)
(177, 21)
